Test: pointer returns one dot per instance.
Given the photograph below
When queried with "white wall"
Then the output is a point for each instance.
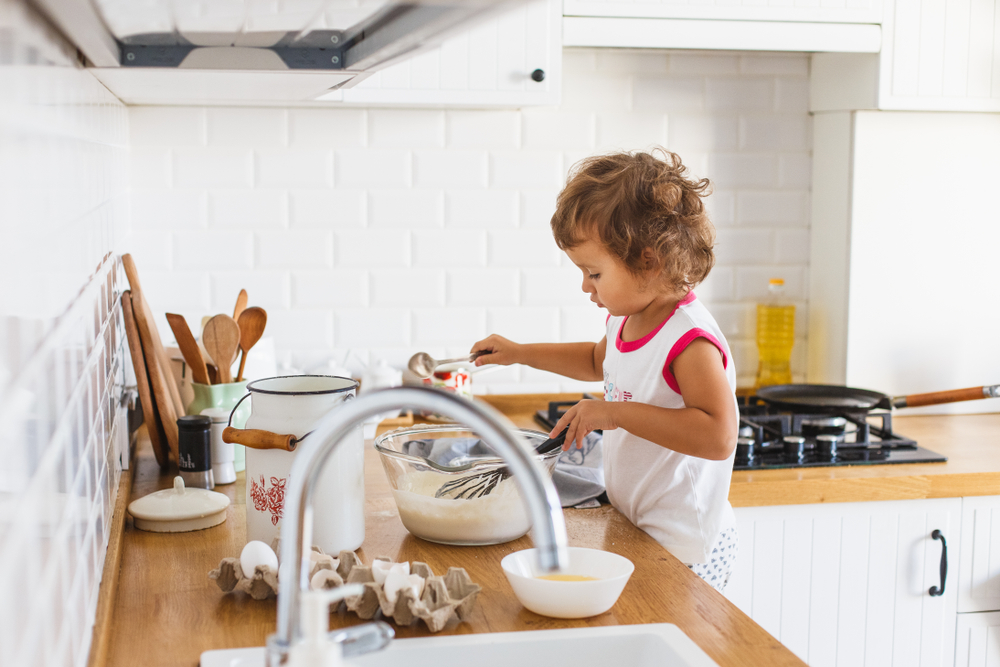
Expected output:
(63, 203)
(387, 231)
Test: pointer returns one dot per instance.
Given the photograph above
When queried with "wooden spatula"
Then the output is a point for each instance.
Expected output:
(189, 347)
(221, 339)
(241, 304)
(252, 322)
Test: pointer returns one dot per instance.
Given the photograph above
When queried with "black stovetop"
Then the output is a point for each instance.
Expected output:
(858, 438)
(771, 438)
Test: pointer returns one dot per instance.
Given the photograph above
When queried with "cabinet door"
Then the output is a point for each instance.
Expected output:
(979, 572)
(829, 11)
(847, 584)
(940, 55)
(977, 641)
(489, 66)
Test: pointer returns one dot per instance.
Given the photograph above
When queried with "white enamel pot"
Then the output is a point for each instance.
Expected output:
(283, 411)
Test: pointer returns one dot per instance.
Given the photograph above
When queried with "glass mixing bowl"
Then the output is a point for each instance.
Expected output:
(496, 516)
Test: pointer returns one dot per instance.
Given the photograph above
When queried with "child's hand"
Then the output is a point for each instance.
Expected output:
(496, 350)
(582, 418)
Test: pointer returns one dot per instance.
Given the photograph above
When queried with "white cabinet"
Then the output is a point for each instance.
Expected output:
(940, 55)
(977, 640)
(848, 584)
(488, 66)
(829, 11)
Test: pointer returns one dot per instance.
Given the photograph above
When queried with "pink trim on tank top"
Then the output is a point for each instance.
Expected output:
(681, 345)
(633, 345)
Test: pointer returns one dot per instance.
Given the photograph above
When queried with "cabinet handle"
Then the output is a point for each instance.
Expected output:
(538, 75)
(938, 535)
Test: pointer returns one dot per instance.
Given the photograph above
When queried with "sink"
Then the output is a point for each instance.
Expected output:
(655, 644)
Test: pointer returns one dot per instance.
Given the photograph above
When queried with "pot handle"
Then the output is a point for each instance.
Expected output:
(256, 438)
(952, 396)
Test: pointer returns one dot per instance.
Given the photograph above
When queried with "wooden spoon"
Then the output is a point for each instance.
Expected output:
(252, 322)
(221, 339)
(189, 347)
(241, 304)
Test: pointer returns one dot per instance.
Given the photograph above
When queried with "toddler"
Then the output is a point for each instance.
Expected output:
(635, 225)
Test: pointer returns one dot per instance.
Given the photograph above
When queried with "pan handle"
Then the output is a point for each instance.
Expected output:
(952, 396)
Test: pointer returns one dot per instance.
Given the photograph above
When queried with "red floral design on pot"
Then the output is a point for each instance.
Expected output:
(269, 499)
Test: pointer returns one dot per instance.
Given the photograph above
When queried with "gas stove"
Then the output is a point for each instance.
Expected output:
(770, 438)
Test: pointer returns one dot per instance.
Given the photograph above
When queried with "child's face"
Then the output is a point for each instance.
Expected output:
(608, 282)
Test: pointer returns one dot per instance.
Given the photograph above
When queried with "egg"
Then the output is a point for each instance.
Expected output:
(396, 581)
(382, 568)
(257, 553)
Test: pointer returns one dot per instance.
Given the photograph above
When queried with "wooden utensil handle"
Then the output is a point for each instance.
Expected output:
(938, 397)
(257, 439)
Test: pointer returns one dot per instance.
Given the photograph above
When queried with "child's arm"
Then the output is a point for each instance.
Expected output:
(580, 361)
(705, 428)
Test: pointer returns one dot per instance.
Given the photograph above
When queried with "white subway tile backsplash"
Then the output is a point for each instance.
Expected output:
(744, 246)
(327, 208)
(545, 129)
(552, 287)
(149, 166)
(390, 128)
(483, 210)
(176, 291)
(752, 281)
(537, 207)
(373, 327)
(739, 93)
(454, 169)
(212, 168)
(405, 209)
(166, 126)
(795, 171)
(483, 129)
(768, 133)
(524, 325)
(721, 207)
(582, 323)
(161, 210)
(625, 62)
(371, 247)
(705, 62)
(294, 168)
(152, 250)
(743, 170)
(213, 249)
(247, 126)
(792, 95)
(301, 329)
(611, 93)
(526, 169)
(630, 131)
(717, 132)
(447, 326)
(380, 168)
(482, 287)
(401, 288)
(449, 248)
(784, 64)
(667, 93)
(267, 289)
(527, 248)
(792, 246)
(242, 209)
(336, 288)
(718, 286)
(774, 208)
(299, 249)
(327, 128)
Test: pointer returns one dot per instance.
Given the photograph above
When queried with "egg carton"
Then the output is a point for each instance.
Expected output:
(440, 599)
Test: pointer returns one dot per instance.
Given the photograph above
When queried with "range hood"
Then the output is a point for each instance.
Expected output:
(253, 51)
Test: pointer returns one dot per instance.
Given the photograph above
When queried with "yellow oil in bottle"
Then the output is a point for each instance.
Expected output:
(775, 337)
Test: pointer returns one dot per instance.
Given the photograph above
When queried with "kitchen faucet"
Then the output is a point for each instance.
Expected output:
(538, 492)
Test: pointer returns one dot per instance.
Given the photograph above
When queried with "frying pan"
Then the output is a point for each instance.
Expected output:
(835, 398)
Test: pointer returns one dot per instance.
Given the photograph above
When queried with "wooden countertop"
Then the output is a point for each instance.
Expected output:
(970, 442)
(158, 606)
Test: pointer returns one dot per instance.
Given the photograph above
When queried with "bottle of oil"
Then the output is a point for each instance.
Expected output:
(775, 336)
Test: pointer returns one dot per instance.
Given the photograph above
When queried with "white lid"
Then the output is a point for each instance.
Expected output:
(179, 509)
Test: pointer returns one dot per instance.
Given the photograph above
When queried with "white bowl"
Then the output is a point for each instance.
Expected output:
(569, 599)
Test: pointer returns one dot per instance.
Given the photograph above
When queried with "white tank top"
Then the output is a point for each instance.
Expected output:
(681, 501)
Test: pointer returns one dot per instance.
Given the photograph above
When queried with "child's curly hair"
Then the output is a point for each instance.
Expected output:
(636, 201)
